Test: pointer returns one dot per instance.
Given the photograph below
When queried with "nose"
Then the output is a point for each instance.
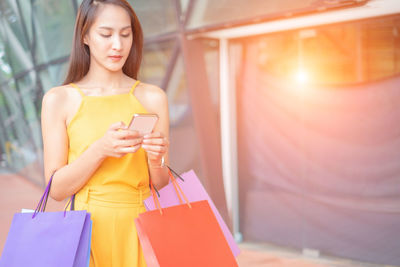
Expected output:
(116, 44)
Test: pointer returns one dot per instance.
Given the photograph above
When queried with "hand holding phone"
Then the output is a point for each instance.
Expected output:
(143, 123)
(117, 141)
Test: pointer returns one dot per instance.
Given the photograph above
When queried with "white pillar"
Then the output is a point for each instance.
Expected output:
(229, 138)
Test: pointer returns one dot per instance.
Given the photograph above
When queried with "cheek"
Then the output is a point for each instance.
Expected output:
(99, 44)
(128, 44)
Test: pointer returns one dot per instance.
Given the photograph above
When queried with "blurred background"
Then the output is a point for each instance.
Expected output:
(288, 111)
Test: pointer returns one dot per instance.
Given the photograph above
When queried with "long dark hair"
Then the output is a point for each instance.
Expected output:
(80, 55)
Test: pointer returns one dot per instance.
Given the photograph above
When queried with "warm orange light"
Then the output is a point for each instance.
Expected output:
(302, 76)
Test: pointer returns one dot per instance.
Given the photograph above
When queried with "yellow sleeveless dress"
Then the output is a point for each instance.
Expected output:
(115, 192)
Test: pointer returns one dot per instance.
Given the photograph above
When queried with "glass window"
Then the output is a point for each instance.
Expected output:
(53, 76)
(156, 57)
(53, 25)
(5, 68)
(16, 136)
(209, 12)
(183, 135)
(31, 98)
(178, 93)
(15, 39)
(336, 54)
(156, 16)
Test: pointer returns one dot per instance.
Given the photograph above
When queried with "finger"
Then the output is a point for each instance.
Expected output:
(154, 155)
(128, 142)
(134, 134)
(154, 135)
(154, 148)
(117, 125)
(130, 149)
(155, 141)
(116, 155)
(127, 134)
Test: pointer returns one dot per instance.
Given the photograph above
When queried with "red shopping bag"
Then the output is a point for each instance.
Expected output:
(184, 235)
(195, 191)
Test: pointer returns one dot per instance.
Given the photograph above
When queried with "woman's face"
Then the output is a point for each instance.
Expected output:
(110, 37)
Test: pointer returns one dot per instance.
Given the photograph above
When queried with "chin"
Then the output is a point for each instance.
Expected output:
(114, 68)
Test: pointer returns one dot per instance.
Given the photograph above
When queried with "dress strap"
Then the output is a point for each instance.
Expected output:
(134, 86)
(79, 89)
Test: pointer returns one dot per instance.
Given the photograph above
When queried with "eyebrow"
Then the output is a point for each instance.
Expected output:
(109, 28)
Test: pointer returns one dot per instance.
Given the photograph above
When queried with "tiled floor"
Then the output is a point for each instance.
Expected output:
(254, 255)
(17, 192)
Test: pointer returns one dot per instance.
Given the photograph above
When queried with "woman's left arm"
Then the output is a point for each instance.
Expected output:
(156, 144)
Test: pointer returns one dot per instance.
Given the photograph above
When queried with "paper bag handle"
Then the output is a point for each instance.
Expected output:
(43, 201)
(41, 207)
(178, 190)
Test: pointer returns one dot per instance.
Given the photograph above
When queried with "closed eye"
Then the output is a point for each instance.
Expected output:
(108, 36)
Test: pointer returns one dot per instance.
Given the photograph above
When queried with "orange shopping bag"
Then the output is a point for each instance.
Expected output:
(183, 235)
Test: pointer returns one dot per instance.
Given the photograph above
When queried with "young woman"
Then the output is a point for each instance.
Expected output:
(87, 146)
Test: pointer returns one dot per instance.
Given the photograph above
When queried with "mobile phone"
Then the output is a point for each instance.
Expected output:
(143, 123)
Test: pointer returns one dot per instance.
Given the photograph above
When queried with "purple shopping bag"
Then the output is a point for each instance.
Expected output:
(195, 191)
(48, 239)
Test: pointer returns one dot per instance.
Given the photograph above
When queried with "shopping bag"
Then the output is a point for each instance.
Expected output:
(48, 239)
(194, 191)
(183, 235)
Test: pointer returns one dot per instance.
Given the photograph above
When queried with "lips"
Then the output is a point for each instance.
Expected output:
(115, 57)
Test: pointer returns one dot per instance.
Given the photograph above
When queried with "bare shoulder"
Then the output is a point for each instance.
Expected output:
(57, 93)
(57, 99)
(151, 96)
(150, 90)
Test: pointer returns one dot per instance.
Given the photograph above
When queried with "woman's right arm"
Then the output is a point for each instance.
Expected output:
(69, 178)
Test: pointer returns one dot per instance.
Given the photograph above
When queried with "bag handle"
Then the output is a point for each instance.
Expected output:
(41, 207)
(177, 187)
(158, 194)
(156, 202)
(70, 201)
(178, 190)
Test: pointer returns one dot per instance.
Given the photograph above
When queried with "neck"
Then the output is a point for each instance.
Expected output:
(100, 77)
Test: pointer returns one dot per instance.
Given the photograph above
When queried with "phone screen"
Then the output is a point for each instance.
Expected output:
(143, 123)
